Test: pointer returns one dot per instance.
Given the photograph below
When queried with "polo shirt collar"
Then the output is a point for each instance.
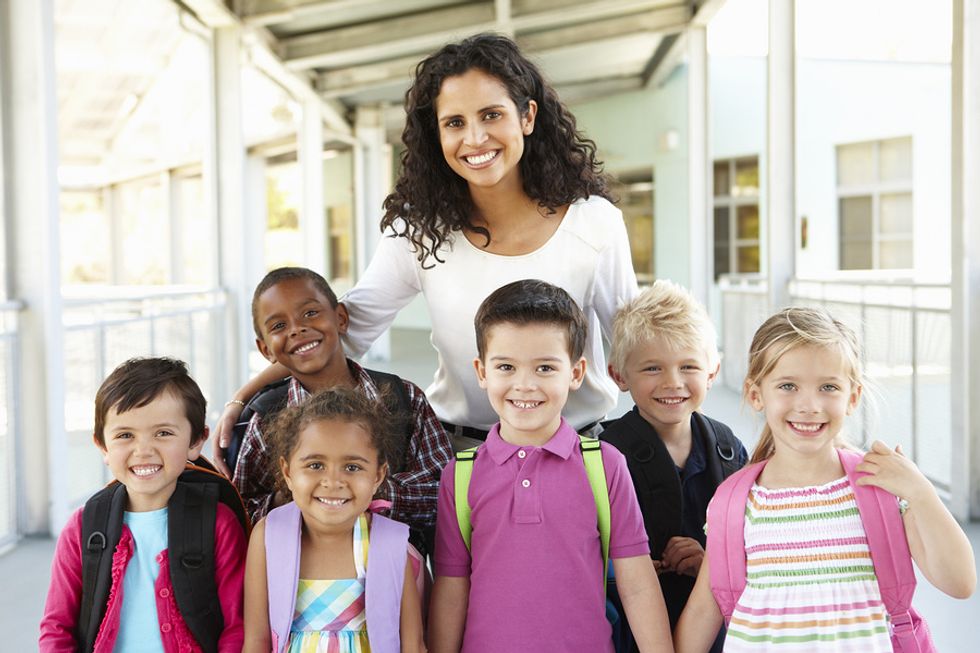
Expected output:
(561, 444)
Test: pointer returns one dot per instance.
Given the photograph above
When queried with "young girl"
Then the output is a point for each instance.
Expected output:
(307, 568)
(810, 581)
(496, 185)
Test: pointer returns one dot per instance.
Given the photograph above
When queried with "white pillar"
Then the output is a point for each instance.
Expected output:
(31, 186)
(965, 254)
(780, 245)
(313, 219)
(699, 164)
(239, 243)
(372, 179)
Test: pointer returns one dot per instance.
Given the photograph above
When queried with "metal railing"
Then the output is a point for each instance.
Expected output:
(9, 317)
(101, 332)
(905, 331)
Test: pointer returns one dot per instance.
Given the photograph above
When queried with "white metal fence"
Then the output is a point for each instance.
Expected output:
(905, 330)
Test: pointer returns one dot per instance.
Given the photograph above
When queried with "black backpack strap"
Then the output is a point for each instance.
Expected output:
(393, 388)
(658, 486)
(722, 448)
(102, 521)
(267, 402)
(193, 508)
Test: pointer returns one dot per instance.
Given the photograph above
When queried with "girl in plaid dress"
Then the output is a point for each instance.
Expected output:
(331, 453)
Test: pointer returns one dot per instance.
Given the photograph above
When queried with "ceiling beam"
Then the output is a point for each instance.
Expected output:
(666, 20)
(269, 13)
(427, 31)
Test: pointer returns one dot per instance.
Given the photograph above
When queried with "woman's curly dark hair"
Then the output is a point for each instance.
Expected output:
(430, 201)
(341, 404)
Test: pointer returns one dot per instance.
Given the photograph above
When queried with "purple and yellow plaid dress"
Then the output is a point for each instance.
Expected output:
(329, 614)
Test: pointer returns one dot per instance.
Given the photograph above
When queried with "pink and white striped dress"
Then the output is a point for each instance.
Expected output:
(810, 582)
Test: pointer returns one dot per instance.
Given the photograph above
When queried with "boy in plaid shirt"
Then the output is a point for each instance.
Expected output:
(298, 323)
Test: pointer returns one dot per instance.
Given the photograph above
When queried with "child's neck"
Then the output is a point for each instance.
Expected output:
(789, 468)
(527, 438)
(336, 373)
(678, 440)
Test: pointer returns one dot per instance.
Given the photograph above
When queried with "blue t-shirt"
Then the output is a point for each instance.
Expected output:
(139, 627)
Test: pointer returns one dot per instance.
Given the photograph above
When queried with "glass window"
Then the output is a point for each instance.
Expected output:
(283, 239)
(875, 207)
(636, 200)
(85, 237)
(144, 233)
(736, 220)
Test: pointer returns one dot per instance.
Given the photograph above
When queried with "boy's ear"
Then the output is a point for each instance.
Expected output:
(481, 372)
(195, 451)
(618, 379)
(714, 374)
(578, 374)
(343, 318)
(264, 350)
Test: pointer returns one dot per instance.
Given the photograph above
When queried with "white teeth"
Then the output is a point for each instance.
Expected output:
(306, 347)
(483, 158)
(336, 503)
(145, 470)
(525, 404)
(671, 401)
(806, 427)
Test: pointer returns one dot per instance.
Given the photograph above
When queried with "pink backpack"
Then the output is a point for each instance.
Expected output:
(886, 540)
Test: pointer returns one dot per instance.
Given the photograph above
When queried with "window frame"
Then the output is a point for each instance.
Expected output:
(732, 203)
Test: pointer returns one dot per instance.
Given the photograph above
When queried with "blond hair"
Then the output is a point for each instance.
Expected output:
(666, 312)
(786, 330)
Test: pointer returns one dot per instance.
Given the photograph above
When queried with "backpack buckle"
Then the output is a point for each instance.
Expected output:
(96, 542)
(192, 561)
(902, 624)
(726, 453)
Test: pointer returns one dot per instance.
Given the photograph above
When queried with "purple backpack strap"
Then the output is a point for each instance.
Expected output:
(726, 537)
(282, 542)
(890, 555)
(387, 556)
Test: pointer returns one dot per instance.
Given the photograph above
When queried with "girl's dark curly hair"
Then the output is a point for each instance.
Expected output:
(341, 404)
(431, 201)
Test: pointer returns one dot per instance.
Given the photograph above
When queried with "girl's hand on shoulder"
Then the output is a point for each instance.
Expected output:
(893, 472)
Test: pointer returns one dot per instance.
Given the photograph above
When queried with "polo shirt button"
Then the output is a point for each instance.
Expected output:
(522, 454)
(165, 628)
(164, 592)
(526, 483)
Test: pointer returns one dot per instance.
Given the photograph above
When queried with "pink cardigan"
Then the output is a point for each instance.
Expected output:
(65, 592)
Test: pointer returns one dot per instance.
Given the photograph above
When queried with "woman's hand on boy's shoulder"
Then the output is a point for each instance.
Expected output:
(893, 472)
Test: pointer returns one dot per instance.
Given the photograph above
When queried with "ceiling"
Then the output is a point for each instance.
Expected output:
(364, 51)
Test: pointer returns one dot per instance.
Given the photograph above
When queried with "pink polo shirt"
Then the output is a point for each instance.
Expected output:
(536, 566)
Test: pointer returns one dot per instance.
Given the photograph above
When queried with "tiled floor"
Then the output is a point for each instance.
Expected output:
(25, 570)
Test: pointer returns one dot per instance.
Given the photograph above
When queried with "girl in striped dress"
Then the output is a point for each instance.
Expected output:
(311, 561)
(810, 582)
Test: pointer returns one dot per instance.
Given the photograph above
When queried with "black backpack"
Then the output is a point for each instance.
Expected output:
(190, 534)
(272, 398)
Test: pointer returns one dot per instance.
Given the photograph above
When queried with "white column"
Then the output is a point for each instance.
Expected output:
(239, 243)
(965, 254)
(699, 164)
(780, 244)
(313, 219)
(31, 161)
(174, 212)
(372, 179)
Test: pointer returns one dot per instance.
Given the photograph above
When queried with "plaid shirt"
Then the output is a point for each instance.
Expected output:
(413, 491)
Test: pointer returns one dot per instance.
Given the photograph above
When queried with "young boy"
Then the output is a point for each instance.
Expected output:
(665, 355)
(149, 421)
(298, 323)
(534, 581)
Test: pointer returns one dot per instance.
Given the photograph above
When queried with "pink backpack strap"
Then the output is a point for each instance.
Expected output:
(282, 542)
(890, 554)
(726, 537)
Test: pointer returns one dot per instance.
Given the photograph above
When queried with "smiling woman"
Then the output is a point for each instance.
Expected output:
(496, 185)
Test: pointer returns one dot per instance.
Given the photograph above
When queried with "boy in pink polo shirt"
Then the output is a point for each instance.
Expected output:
(534, 579)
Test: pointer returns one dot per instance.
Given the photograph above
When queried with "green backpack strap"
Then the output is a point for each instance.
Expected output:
(594, 469)
(461, 484)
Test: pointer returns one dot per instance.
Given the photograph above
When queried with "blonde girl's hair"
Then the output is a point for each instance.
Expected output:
(786, 330)
(666, 312)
